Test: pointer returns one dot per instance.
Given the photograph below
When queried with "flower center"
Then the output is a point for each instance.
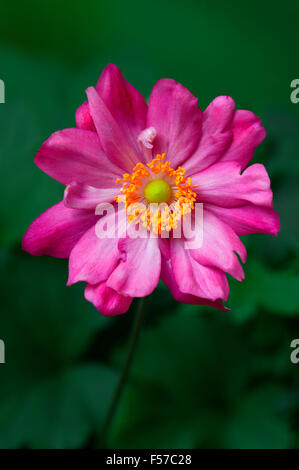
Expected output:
(156, 195)
(157, 190)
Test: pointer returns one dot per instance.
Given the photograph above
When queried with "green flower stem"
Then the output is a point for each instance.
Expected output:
(126, 368)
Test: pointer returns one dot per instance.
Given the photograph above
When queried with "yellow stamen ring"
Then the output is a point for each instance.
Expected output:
(152, 184)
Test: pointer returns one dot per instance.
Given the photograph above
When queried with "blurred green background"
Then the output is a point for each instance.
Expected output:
(201, 378)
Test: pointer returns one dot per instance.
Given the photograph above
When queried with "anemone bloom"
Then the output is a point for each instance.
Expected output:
(167, 151)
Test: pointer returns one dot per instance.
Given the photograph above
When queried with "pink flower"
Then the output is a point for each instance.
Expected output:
(119, 144)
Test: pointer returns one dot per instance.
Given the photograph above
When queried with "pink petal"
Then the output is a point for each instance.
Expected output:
(113, 138)
(168, 278)
(82, 196)
(137, 274)
(164, 246)
(126, 104)
(220, 243)
(223, 185)
(84, 119)
(106, 300)
(248, 133)
(216, 134)
(174, 113)
(56, 231)
(248, 218)
(194, 278)
(76, 155)
(93, 259)
(118, 117)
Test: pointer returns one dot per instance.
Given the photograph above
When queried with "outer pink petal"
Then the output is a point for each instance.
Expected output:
(82, 196)
(248, 133)
(194, 278)
(220, 243)
(216, 134)
(76, 155)
(114, 140)
(174, 113)
(168, 278)
(84, 119)
(126, 104)
(248, 218)
(93, 259)
(223, 185)
(137, 274)
(106, 300)
(56, 231)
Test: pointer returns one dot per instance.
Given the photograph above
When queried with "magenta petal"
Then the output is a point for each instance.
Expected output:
(82, 196)
(220, 243)
(122, 112)
(93, 259)
(127, 106)
(164, 246)
(223, 185)
(56, 231)
(137, 274)
(174, 113)
(216, 134)
(76, 155)
(168, 278)
(114, 140)
(218, 116)
(248, 133)
(248, 218)
(106, 300)
(194, 278)
(84, 119)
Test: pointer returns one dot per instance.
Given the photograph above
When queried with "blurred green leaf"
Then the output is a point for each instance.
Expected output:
(37, 104)
(201, 378)
(58, 412)
(198, 379)
(282, 128)
(45, 399)
(39, 312)
(186, 377)
(258, 422)
(50, 28)
(273, 290)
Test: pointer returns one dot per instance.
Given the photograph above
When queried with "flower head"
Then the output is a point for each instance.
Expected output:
(157, 161)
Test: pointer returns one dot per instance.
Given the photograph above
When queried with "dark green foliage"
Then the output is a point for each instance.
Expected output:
(201, 378)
